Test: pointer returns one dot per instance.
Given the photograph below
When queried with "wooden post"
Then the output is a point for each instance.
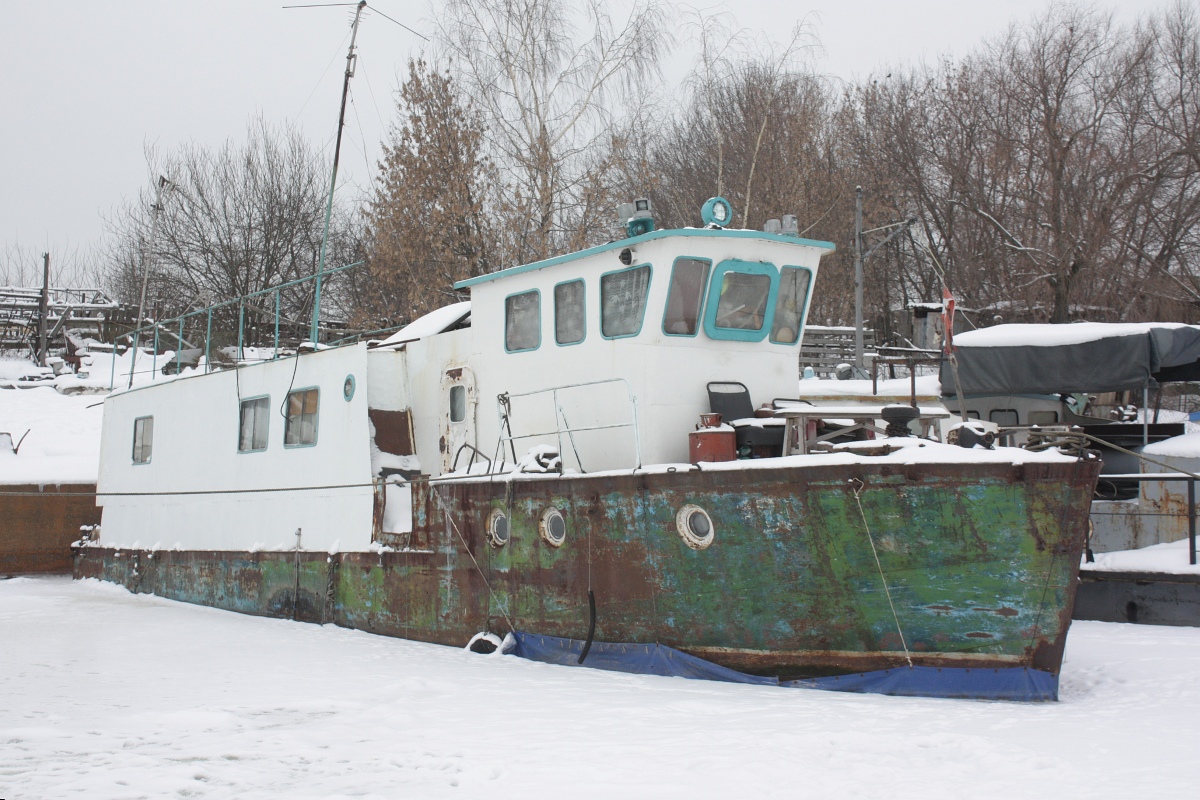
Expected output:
(43, 309)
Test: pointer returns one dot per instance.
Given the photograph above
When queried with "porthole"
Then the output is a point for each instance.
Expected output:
(695, 526)
(553, 527)
(348, 388)
(497, 528)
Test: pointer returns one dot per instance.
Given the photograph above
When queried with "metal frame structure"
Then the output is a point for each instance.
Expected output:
(240, 302)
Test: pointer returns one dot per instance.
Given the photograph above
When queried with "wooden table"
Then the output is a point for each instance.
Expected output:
(859, 417)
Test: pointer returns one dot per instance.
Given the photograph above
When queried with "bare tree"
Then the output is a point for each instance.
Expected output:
(549, 91)
(233, 221)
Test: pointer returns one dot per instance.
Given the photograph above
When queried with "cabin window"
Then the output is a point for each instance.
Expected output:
(458, 403)
(1004, 417)
(143, 439)
(523, 321)
(252, 427)
(685, 296)
(1043, 417)
(301, 426)
(569, 321)
(623, 301)
(741, 299)
(789, 305)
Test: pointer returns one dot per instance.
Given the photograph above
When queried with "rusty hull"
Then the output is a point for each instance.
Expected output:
(38, 523)
(981, 562)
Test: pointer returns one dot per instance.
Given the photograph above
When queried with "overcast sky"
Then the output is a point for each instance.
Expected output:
(86, 85)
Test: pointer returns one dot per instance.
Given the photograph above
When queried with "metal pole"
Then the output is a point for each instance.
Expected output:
(43, 309)
(1191, 520)
(858, 280)
(179, 347)
(275, 351)
(241, 353)
(207, 341)
(1146, 413)
(154, 212)
(314, 332)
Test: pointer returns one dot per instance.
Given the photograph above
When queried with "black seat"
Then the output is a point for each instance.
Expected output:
(755, 437)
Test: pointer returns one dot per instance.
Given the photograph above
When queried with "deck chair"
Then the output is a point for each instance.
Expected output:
(755, 437)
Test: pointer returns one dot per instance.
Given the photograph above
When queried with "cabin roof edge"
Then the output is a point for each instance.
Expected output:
(646, 237)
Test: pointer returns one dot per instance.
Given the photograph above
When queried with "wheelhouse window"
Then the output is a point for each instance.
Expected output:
(623, 301)
(789, 305)
(741, 300)
(685, 296)
(254, 416)
(569, 321)
(523, 321)
(301, 426)
(742, 303)
(143, 439)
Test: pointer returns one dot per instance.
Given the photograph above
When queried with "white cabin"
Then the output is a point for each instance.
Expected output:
(606, 353)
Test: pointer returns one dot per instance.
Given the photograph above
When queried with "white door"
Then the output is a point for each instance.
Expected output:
(457, 418)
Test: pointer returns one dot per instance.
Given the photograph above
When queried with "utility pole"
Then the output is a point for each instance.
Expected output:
(155, 211)
(314, 330)
(858, 284)
(43, 309)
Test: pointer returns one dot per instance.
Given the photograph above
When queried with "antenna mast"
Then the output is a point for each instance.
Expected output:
(314, 331)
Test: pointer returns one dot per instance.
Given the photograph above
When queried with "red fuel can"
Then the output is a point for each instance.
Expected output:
(712, 444)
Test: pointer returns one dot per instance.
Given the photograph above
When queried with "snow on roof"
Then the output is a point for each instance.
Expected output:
(435, 322)
(816, 388)
(1032, 335)
(1186, 446)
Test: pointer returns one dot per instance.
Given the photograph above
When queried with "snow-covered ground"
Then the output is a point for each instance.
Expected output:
(111, 695)
(63, 441)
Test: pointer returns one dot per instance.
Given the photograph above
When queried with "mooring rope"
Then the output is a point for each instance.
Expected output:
(449, 518)
(874, 552)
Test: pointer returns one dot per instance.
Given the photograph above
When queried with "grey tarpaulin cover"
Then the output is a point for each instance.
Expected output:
(1079, 357)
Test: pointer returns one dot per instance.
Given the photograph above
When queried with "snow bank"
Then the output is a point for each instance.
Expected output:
(63, 444)
(111, 695)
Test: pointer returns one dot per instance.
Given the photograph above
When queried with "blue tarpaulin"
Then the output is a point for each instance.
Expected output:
(1004, 683)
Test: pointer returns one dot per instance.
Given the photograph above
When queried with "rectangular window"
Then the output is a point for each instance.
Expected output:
(301, 426)
(623, 301)
(1043, 417)
(789, 305)
(523, 321)
(252, 425)
(684, 296)
(1004, 417)
(742, 304)
(143, 439)
(569, 321)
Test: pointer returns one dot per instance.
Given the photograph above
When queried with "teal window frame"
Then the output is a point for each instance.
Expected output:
(148, 451)
(267, 437)
(703, 296)
(584, 306)
(642, 320)
(714, 295)
(803, 313)
(288, 417)
(537, 292)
